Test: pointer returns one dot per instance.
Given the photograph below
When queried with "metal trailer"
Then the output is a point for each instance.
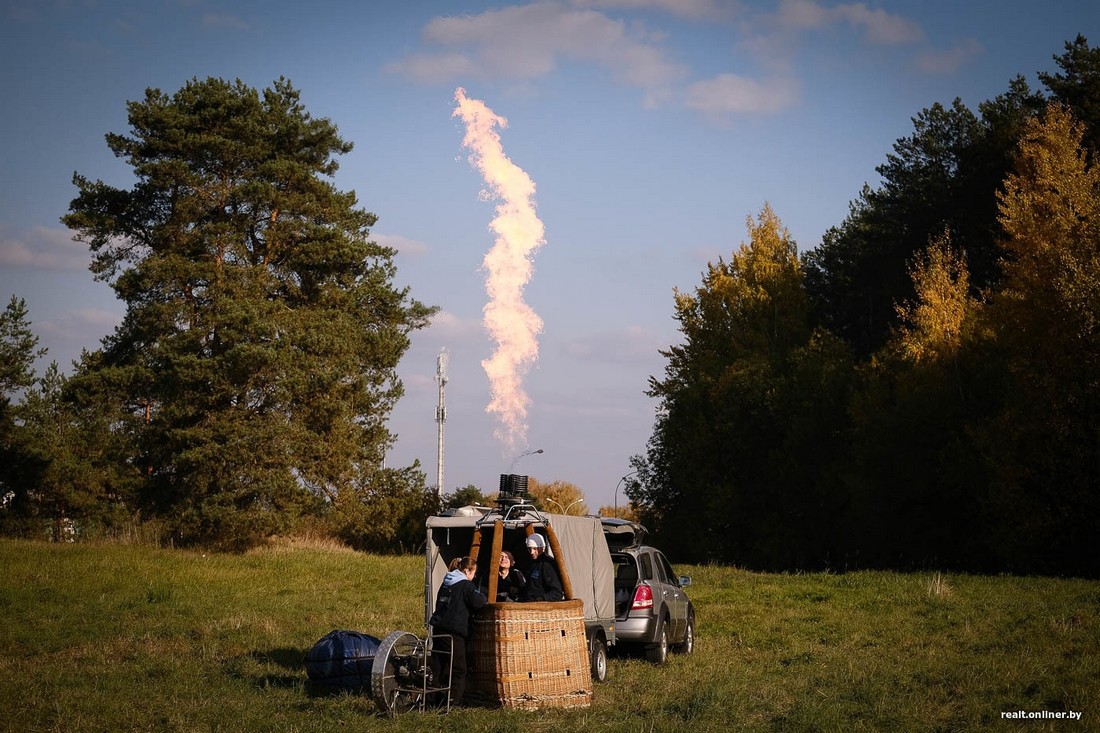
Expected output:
(401, 672)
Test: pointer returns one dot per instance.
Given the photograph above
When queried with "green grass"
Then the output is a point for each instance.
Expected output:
(125, 638)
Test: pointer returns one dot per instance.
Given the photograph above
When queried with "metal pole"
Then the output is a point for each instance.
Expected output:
(440, 418)
(624, 478)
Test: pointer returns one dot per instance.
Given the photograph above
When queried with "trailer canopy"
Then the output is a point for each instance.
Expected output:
(577, 543)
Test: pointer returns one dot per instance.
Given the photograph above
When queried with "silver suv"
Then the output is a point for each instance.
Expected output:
(652, 610)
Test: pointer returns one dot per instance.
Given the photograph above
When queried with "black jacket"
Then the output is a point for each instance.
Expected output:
(544, 581)
(511, 587)
(453, 606)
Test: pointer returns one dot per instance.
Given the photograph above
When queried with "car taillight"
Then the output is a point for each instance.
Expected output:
(643, 598)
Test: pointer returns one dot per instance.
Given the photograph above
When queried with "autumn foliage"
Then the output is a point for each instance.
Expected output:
(923, 388)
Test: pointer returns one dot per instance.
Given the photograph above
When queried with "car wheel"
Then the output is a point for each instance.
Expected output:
(658, 652)
(599, 661)
(687, 646)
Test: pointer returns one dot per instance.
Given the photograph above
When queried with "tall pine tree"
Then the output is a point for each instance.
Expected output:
(263, 328)
(18, 352)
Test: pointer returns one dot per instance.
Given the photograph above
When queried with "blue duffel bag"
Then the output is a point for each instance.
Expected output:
(342, 660)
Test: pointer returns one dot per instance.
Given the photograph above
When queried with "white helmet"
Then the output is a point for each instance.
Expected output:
(536, 540)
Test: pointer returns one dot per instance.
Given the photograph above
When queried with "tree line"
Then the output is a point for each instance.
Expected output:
(922, 389)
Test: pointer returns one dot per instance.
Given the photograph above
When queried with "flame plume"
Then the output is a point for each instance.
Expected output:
(519, 232)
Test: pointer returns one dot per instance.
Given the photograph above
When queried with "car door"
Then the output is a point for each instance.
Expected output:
(676, 599)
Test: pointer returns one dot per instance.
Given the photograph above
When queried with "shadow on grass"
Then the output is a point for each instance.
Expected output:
(293, 662)
(282, 668)
(290, 658)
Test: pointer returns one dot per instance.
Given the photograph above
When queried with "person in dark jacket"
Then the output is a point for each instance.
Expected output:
(458, 599)
(510, 581)
(543, 578)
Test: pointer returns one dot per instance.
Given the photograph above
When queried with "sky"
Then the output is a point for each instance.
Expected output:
(650, 129)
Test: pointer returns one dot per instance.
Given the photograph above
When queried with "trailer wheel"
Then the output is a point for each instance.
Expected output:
(599, 660)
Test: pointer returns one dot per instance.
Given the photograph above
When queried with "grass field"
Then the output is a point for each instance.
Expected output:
(131, 638)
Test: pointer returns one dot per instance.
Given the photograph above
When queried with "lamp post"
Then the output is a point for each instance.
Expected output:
(565, 510)
(624, 478)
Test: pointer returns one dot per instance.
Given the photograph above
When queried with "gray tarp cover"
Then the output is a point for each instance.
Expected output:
(587, 559)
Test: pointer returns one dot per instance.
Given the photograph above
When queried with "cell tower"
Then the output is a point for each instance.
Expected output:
(441, 415)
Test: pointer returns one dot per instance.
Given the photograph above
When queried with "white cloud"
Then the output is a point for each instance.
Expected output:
(404, 245)
(775, 40)
(802, 15)
(881, 27)
(419, 383)
(529, 41)
(877, 26)
(690, 9)
(43, 248)
(521, 43)
(447, 325)
(949, 60)
(729, 94)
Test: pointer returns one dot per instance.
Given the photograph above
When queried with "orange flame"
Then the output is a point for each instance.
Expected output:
(519, 232)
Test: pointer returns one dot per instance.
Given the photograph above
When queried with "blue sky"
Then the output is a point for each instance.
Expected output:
(651, 128)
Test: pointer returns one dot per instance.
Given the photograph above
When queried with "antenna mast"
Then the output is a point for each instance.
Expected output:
(441, 416)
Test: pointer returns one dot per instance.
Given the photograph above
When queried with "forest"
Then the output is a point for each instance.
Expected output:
(920, 389)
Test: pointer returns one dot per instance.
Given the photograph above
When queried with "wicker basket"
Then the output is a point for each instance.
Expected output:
(531, 655)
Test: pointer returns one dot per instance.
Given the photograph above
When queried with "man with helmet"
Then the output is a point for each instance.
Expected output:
(543, 579)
